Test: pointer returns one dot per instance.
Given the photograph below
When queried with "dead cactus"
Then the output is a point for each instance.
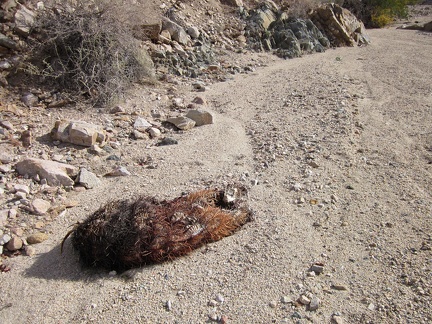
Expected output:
(125, 234)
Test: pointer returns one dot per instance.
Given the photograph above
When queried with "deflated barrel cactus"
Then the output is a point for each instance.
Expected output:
(125, 234)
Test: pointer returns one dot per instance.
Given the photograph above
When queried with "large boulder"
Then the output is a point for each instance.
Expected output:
(55, 173)
(340, 26)
(176, 31)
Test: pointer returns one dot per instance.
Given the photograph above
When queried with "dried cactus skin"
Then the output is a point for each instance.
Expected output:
(125, 234)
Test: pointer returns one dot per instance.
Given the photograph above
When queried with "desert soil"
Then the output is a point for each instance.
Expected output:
(337, 151)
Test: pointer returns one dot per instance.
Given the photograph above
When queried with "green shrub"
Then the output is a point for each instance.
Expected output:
(87, 50)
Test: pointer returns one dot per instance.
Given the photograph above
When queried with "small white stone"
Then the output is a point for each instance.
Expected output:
(220, 298)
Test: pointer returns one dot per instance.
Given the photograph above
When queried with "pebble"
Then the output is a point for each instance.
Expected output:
(317, 268)
(112, 273)
(30, 250)
(220, 298)
(154, 132)
(339, 286)
(212, 303)
(168, 305)
(5, 168)
(286, 300)
(273, 304)
(304, 300)
(119, 172)
(36, 238)
(314, 304)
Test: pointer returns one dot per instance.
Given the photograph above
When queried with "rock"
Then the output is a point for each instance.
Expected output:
(140, 135)
(286, 300)
(87, 179)
(167, 141)
(340, 25)
(29, 99)
(183, 123)
(176, 31)
(79, 133)
(29, 250)
(336, 319)
(119, 172)
(314, 304)
(317, 268)
(339, 286)
(199, 101)
(428, 27)
(5, 158)
(8, 43)
(5, 168)
(200, 117)
(14, 244)
(233, 3)
(193, 32)
(37, 238)
(55, 173)
(141, 124)
(117, 110)
(4, 239)
(24, 20)
(3, 217)
(304, 300)
(26, 138)
(146, 32)
(7, 124)
(220, 298)
(40, 206)
(154, 132)
(22, 188)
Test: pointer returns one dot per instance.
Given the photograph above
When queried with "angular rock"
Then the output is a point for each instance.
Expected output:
(147, 31)
(340, 25)
(119, 172)
(4, 239)
(87, 179)
(314, 304)
(40, 206)
(176, 31)
(141, 124)
(428, 27)
(183, 123)
(53, 172)
(14, 244)
(24, 20)
(37, 238)
(200, 117)
(78, 132)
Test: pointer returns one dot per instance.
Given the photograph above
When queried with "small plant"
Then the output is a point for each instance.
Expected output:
(87, 50)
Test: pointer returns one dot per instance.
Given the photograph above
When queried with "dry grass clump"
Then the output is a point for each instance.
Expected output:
(87, 48)
(130, 233)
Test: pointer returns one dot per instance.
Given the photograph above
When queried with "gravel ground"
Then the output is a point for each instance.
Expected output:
(336, 149)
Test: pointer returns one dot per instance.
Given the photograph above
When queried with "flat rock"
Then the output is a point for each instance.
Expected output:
(40, 206)
(78, 132)
(22, 188)
(55, 173)
(88, 179)
(36, 238)
(183, 123)
(200, 117)
(119, 172)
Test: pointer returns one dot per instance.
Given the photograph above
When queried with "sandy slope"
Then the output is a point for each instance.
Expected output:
(340, 144)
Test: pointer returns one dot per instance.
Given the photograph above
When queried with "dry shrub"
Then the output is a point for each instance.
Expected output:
(86, 47)
(125, 234)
